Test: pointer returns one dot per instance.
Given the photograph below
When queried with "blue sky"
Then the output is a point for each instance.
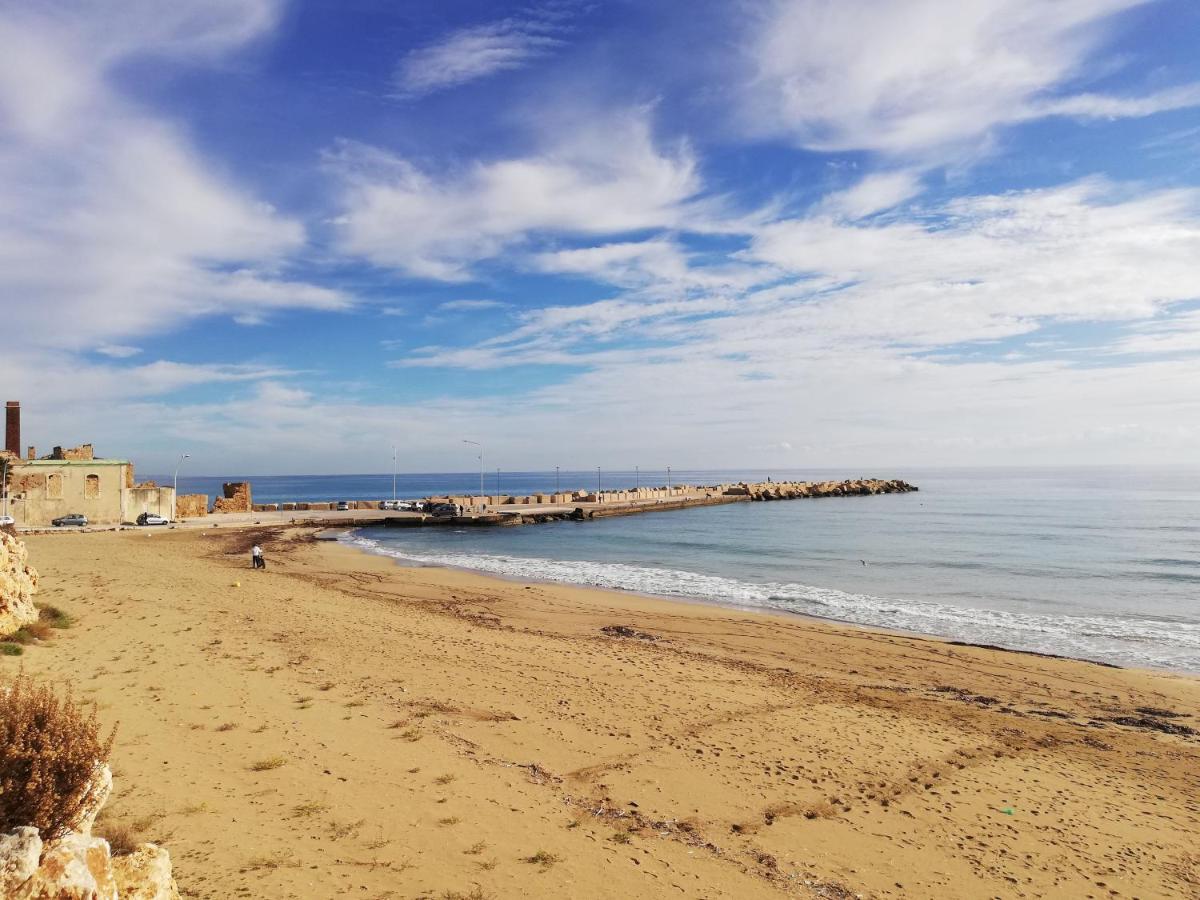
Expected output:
(283, 236)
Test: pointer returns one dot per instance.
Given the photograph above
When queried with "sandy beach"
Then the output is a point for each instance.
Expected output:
(341, 726)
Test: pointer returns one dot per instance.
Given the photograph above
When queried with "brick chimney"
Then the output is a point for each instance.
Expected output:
(12, 427)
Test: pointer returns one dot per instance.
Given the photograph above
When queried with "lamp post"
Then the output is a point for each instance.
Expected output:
(556, 487)
(393, 474)
(175, 487)
(478, 444)
(637, 478)
(597, 484)
(668, 481)
(497, 484)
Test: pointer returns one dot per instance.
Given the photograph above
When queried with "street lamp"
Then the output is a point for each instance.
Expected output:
(556, 487)
(393, 475)
(597, 484)
(637, 479)
(668, 481)
(175, 487)
(478, 444)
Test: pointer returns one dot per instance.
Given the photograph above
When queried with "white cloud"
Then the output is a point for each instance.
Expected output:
(118, 351)
(109, 221)
(470, 305)
(873, 194)
(470, 54)
(924, 78)
(607, 178)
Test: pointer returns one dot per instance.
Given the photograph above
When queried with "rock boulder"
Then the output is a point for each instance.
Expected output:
(18, 584)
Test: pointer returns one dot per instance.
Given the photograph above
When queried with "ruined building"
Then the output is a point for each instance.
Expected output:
(73, 480)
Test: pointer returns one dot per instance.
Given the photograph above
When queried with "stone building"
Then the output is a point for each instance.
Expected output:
(72, 480)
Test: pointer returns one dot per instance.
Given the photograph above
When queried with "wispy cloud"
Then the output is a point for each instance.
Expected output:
(118, 351)
(466, 305)
(923, 79)
(137, 233)
(606, 177)
(476, 52)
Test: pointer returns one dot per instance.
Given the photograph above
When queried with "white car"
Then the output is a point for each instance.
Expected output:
(147, 518)
(7, 520)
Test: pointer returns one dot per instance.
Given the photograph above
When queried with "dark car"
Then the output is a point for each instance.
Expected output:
(69, 519)
(444, 511)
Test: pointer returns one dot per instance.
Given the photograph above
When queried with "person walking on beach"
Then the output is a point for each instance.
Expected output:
(256, 557)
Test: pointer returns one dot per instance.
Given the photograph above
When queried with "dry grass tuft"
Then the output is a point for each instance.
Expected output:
(123, 837)
(543, 858)
(10, 649)
(227, 726)
(54, 617)
(476, 848)
(444, 779)
(476, 893)
(265, 765)
(309, 808)
(449, 820)
(50, 753)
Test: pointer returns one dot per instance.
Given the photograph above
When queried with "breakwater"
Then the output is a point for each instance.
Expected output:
(492, 511)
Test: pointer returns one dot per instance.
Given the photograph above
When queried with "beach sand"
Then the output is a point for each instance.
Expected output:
(341, 726)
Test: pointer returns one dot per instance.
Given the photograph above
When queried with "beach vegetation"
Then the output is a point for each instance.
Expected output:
(444, 779)
(51, 751)
(543, 858)
(123, 837)
(476, 893)
(476, 848)
(621, 837)
(32, 633)
(339, 830)
(265, 765)
(449, 820)
(227, 726)
(54, 617)
(10, 649)
(309, 808)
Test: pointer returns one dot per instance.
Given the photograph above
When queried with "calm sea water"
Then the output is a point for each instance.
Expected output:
(1099, 563)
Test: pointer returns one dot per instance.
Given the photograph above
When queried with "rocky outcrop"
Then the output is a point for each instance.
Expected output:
(18, 583)
(145, 874)
(80, 866)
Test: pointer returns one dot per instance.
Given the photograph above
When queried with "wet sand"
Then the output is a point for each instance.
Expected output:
(341, 726)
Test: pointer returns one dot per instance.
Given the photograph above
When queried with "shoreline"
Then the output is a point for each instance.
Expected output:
(339, 725)
(404, 562)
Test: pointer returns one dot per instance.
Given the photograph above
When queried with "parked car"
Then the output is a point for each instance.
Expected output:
(407, 504)
(444, 510)
(147, 518)
(389, 504)
(69, 519)
(342, 506)
(7, 520)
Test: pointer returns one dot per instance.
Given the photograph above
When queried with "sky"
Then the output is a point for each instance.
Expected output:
(285, 237)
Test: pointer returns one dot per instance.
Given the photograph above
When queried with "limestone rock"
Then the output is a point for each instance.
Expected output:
(145, 874)
(20, 851)
(97, 796)
(18, 584)
(77, 867)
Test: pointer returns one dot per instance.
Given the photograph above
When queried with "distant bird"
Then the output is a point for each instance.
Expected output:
(863, 561)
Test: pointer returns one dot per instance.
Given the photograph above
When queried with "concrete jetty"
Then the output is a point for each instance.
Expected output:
(507, 510)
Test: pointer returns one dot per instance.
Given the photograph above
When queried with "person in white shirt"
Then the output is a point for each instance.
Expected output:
(256, 557)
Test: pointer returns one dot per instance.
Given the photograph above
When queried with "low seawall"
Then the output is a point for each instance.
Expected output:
(619, 503)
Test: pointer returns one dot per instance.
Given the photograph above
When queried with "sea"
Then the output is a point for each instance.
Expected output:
(1094, 563)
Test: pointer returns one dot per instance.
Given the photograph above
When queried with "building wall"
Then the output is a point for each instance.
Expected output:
(157, 500)
(43, 491)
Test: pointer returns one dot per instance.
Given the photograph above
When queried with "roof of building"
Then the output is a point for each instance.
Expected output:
(74, 462)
